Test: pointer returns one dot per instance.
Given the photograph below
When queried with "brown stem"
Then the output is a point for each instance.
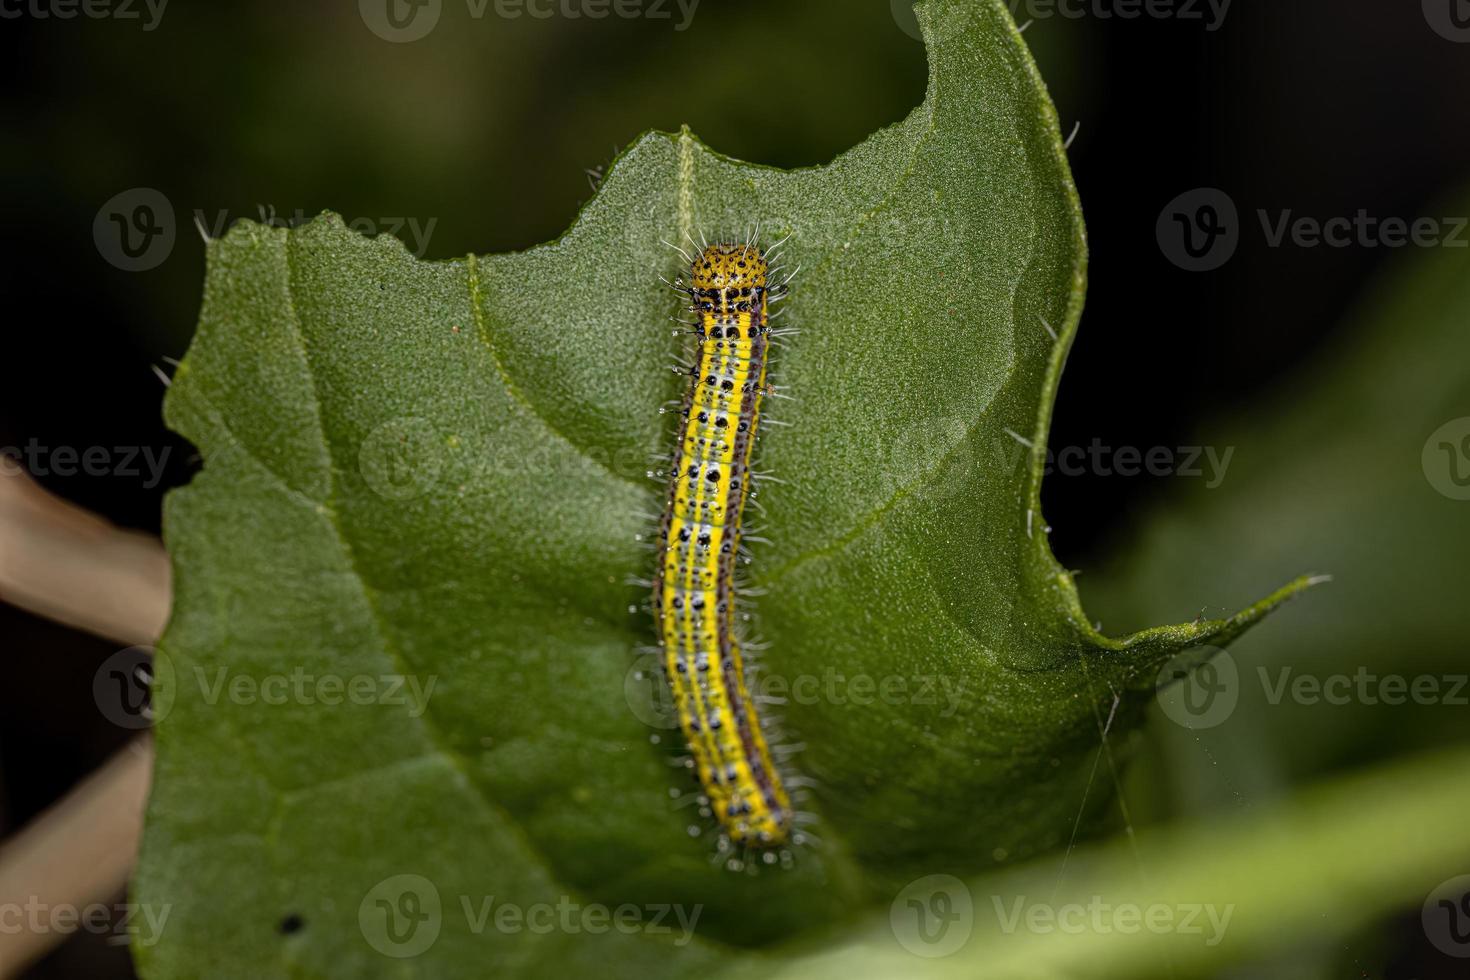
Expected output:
(64, 563)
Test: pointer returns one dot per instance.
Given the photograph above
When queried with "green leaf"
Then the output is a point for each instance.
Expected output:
(435, 470)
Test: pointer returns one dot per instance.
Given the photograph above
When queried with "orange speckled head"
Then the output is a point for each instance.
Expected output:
(729, 266)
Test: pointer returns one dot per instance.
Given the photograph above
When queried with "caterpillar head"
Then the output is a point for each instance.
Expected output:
(729, 267)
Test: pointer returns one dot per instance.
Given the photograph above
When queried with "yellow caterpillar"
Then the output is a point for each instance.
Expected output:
(699, 541)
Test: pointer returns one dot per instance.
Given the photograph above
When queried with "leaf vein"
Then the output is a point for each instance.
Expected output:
(482, 330)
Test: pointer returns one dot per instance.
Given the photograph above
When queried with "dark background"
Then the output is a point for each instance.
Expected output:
(488, 126)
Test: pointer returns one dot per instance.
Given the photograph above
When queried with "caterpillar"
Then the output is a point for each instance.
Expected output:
(694, 595)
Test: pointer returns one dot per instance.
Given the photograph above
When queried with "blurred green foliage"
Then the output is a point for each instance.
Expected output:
(1336, 471)
(486, 127)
